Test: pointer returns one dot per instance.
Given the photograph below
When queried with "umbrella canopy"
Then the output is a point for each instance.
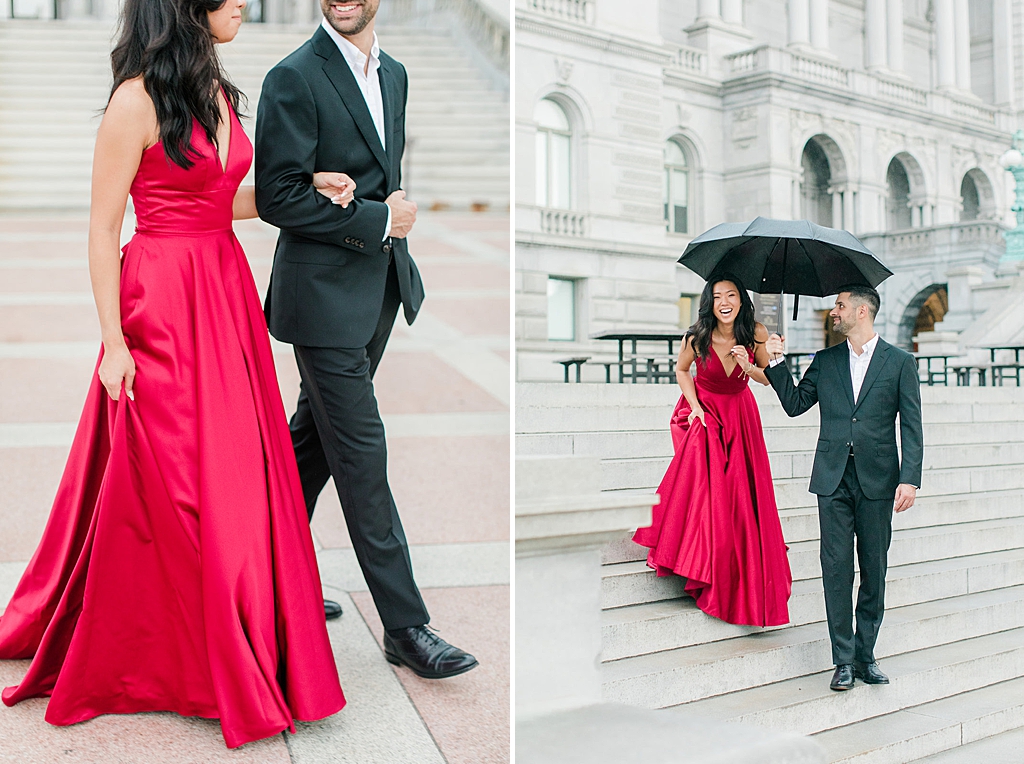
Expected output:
(793, 256)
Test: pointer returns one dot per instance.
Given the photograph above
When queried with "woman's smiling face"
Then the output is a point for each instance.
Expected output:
(726, 302)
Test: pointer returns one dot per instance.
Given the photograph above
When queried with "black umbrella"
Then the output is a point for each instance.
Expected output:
(778, 256)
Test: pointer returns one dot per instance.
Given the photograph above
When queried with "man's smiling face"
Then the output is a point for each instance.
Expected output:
(349, 17)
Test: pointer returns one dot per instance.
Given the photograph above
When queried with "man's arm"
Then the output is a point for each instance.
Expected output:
(795, 399)
(911, 434)
(286, 141)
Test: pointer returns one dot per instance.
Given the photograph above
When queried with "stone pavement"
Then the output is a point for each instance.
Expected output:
(444, 394)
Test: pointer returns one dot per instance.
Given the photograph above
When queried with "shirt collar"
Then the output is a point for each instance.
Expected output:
(355, 57)
(869, 347)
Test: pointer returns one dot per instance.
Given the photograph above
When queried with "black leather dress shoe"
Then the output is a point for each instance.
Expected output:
(868, 673)
(429, 656)
(332, 610)
(843, 678)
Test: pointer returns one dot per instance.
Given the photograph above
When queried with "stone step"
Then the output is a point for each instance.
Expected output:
(806, 705)
(766, 657)
(629, 584)
(909, 545)
(1004, 748)
(670, 624)
(645, 473)
(927, 729)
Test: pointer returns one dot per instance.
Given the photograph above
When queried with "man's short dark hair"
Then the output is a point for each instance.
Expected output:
(865, 295)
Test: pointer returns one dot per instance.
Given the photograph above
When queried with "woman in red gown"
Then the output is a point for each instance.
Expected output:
(717, 524)
(177, 571)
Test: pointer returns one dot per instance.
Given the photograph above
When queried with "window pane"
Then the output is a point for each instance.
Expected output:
(674, 154)
(561, 309)
(550, 115)
(560, 191)
(542, 169)
(679, 216)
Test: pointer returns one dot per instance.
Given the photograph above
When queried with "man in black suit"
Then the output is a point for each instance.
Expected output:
(860, 386)
(337, 104)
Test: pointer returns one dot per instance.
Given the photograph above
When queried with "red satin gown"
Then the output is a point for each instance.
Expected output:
(176, 571)
(717, 524)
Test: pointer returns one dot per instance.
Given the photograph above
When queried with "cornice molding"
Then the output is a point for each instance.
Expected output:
(591, 38)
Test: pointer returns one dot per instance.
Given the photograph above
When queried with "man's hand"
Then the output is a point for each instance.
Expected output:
(403, 214)
(906, 494)
(775, 345)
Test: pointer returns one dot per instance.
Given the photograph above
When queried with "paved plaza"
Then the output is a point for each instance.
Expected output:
(443, 388)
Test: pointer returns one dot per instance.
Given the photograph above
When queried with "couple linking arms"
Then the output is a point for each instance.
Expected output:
(717, 523)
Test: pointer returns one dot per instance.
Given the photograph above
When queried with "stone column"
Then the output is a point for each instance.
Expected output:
(837, 208)
(894, 36)
(945, 45)
(874, 34)
(708, 9)
(962, 34)
(819, 25)
(732, 12)
(799, 22)
(849, 222)
(1002, 51)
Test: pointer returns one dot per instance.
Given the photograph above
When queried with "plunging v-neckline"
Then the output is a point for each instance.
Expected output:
(223, 165)
(721, 363)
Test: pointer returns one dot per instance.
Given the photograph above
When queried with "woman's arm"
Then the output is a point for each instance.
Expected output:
(755, 370)
(128, 128)
(685, 379)
(336, 186)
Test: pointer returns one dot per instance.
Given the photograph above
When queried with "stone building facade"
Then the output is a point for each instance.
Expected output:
(639, 126)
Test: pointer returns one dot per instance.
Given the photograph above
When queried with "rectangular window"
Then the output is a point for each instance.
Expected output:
(688, 304)
(561, 309)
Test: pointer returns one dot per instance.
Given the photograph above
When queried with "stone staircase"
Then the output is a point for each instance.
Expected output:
(953, 636)
(55, 79)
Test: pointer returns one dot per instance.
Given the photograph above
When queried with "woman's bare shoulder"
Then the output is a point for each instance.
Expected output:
(132, 108)
(760, 333)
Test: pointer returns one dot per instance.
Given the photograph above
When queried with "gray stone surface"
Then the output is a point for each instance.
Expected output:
(612, 734)
(481, 563)
(1006, 748)
(380, 723)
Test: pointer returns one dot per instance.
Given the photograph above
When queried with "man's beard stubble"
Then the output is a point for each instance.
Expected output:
(357, 25)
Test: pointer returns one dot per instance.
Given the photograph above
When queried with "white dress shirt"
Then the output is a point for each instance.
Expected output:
(369, 85)
(859, 363)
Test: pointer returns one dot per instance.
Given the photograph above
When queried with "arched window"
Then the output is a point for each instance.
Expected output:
(554, 156)
(971, 199)
(817, 177)
(899, 196)
(677, 189)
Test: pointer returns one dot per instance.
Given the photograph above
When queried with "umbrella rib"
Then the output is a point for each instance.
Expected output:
(814, 270)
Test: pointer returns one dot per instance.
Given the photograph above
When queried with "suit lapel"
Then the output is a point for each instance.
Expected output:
(386, 80)
(338, 72)
(842, 361)
(878, 359)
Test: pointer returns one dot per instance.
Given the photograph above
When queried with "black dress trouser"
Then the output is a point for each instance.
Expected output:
(336, 431)
(843, 515)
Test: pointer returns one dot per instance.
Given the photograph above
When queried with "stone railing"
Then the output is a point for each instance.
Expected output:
(951, 237)
(897, 91)
(576, 11)
(813, 69)
(691, 60)
(563, 222)
(975, 111)
(867, 85)
(489, 31)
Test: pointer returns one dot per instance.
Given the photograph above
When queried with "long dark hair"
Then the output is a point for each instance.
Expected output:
(743, 328)
(170, 44)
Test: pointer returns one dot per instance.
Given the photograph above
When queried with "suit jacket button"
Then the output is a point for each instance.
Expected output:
(855, 419)
(387, 248)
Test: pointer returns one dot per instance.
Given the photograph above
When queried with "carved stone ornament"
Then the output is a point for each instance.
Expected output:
(744, 127)
(563, 70)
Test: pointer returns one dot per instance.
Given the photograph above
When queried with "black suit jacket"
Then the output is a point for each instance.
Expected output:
(330, 266)
(890, 387)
